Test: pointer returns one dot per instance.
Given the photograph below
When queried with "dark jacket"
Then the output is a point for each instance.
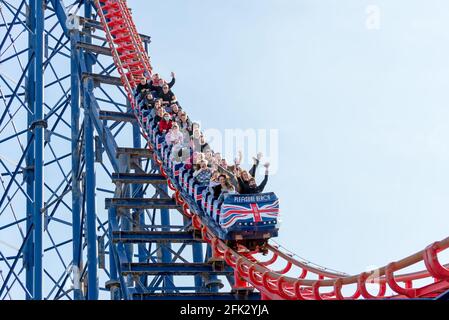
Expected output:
(204, 147)
(245, 188)
(167, 97)
(217, 191)
(140, 87)
(158, 89)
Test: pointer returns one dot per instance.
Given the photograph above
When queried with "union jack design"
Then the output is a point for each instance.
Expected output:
(231, 213)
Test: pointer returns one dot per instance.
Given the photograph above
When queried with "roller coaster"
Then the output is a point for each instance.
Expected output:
(54, 241)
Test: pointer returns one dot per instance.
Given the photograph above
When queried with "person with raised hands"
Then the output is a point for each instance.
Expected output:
(256, 160)
(252, 186)
(243, 178)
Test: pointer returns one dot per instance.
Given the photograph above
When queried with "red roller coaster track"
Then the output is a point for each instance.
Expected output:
(298, 280)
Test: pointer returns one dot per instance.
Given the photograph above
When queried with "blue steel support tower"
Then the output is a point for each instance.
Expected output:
(84, 211)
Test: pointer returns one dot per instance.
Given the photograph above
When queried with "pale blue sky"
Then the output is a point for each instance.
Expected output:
(362, 115)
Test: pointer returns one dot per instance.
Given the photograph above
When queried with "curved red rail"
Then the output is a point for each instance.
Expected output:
(310, 282)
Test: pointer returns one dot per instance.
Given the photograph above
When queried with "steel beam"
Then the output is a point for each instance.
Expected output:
(153, 236)
(138, 178)
(102, 79)
(76, 162)
(28, 256)
(196, 296)
(39, 125)
(179, 269)
(97, 25)
(113, 284)
(92, 291)
(94, 48)
(134, 152)
(117, 116)
(133, 203)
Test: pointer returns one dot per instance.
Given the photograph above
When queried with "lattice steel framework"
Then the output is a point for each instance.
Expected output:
(65, 132)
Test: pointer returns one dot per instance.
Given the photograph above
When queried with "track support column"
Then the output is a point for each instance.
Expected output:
(28, 256)
(76, 161)
(166, 254)
(39, 124)
(89, 151)
(137, 192)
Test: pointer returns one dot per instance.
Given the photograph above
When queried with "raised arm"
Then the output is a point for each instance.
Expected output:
(173, 80)
(265, 179)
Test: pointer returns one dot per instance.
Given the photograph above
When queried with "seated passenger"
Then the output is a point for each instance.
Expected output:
(165, 124)
(204, 146)
(209, 156)
(231, 170)
(143, 84)
(195, 126)
(203, 174)
(225, 187)
(188, 162)
(183, 154)
(184, 124)
(175, 111)
(252, 187)
(223, 164)
(217, 157)
(158, 117)
(197, 158)
(168, 97)
(141, 96)
(148, 104)
(157, 105)
(156, 83)
(174, 136)
(243, 178)
(195, 141)
(214, 181)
